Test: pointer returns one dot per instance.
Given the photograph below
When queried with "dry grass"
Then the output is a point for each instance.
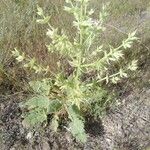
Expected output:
(18, 27)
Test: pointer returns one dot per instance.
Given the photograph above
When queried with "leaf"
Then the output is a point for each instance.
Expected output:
(41, 87)
(50, 33)
(91, 12)
(15, 53)
(68, 9)
(77, 130)
(133, 65)
(38, 69)
(76, 125)
(20, 58)
(54, 106)
(31, 63)
(115, 80)
(133, 33)
(122, 73)
(54, 123)
(38, 101)
(34, 118)
(103, 14)
(39, 11)
(43, 21)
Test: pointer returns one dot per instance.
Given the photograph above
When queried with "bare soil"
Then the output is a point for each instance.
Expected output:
(125, 127)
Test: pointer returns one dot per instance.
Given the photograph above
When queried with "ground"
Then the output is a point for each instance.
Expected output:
(125, 127)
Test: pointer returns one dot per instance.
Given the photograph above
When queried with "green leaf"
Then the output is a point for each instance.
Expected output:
(38, 101)
(68, 9)
(41, 87)
(15, 53)
(76, 125)
(30, 64)
(103, 14)
(43, 21)
(54, 106)
(54, 123)
(39, 11)
(34, 118)
(133, 65)
(20, 58)
(77, 129)
(115, 80)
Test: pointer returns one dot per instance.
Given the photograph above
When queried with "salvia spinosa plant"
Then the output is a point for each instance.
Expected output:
(71, 94)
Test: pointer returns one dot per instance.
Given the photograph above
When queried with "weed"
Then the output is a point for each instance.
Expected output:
(71, 95)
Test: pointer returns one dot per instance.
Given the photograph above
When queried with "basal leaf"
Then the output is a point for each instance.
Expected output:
(38, 101)
(35, 117)
(76, 125)
(77, 129)
(41, 87)
(53, 106)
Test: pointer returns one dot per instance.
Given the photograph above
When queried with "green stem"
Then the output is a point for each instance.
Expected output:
(78, 72)
(103, 59)
(111, 76)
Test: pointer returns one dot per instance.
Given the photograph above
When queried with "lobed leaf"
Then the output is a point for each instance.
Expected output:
(38, 102)
(34, 118)
(76, 125)
(41, 87)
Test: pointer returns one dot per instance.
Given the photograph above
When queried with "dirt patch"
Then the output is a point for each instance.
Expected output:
(126, 127)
